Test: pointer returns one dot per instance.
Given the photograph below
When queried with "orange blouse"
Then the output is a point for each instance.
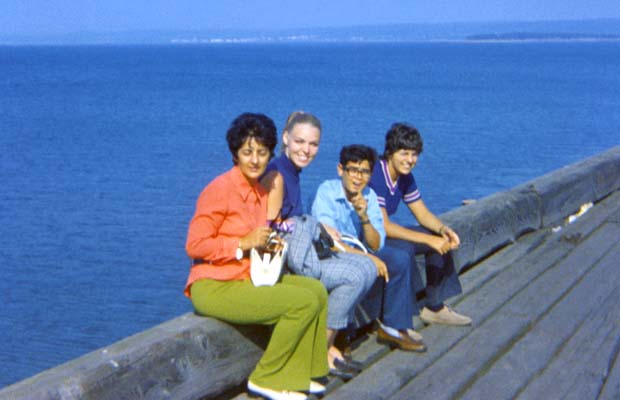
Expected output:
(227, 209)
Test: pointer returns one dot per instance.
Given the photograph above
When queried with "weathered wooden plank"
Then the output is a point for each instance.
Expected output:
(493, 222)
(535, 350)
(369, 351)
(185, 358)
(189, 357)
(580, 369)
(498, 219)
(492, 338)
(611, 388)
(385, 377)
(563, 191)
(487, 269)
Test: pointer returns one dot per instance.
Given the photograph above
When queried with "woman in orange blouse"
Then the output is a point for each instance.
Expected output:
(230, 219)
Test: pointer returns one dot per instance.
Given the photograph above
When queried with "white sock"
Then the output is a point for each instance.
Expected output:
(390, 331)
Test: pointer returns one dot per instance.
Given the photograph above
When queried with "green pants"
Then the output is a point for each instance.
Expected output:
(297, 350)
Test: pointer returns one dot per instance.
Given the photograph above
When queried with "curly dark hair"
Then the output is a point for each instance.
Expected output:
(402, 136)
(251, 125)
(358, 153)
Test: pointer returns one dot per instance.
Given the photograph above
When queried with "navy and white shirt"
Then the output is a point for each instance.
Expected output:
(391, 193)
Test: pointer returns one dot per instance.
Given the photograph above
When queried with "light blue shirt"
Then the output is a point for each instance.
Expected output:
(332, 208)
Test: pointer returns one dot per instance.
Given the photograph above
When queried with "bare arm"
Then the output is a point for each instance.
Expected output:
(428, 220)
(439, 243)
(372, 237)
(379, 264)
(274, 183)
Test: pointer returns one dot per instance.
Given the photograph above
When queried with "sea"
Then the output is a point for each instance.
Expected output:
(104, 150)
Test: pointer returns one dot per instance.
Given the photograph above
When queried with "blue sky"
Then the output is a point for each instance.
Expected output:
(34, 17)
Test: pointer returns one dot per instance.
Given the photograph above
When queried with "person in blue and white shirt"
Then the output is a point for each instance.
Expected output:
(349, 207)
(393, 182)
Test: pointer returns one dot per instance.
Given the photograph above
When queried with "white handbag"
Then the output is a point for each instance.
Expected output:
(265, 270)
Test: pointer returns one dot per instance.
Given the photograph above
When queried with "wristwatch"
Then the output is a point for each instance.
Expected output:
(239, 252)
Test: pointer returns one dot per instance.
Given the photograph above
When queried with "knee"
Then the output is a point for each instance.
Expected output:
(365, 275)
(319, 291)
(435, 260)
(399, 262)
(308, 304)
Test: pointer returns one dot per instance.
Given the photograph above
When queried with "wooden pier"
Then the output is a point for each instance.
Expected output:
(544, 295)
(546, 313)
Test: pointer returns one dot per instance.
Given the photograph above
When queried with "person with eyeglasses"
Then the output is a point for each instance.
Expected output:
(347, 277)
(350, 207)
(393, 181)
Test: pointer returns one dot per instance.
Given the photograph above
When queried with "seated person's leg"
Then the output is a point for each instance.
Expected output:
(319, 352)
(347, 278)
(397, 297)
(442, 282)
(286, 363)
(396, 328)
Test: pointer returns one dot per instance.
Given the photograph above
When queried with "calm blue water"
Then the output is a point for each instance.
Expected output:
(103, 151)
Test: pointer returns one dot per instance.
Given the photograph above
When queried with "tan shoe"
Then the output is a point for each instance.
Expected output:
(445, 316)
(415, 335)
(403, 342)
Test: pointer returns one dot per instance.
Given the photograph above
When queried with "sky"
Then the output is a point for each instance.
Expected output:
(44, 17)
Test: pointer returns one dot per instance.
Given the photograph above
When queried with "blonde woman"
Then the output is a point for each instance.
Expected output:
(346, 276)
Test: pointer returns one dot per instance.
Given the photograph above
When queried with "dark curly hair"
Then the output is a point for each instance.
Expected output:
(251, 125)
(402, 136)
(357, 153)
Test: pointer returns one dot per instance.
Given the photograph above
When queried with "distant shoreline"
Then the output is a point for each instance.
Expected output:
(318, 40)
(542, 37)
(476, 32)
(181, 43)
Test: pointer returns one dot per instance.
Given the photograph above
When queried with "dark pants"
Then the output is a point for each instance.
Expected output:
(395, 301)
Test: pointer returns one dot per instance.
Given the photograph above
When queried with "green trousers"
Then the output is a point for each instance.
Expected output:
(297, 307)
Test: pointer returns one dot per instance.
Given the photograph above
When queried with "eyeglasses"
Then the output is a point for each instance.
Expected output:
(362, 172)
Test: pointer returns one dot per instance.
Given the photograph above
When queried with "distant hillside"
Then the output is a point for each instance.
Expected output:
(515, 36)
(377, 33)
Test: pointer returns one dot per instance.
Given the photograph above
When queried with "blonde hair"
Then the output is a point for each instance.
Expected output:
(300, 117)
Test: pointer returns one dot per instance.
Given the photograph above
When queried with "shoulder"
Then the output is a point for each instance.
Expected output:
(279, 163)
(272, 180)
(219, 188)
(272, 166)
(222, 180)
(378, 186)
(330, 184)
(377, 177)
(329, 187)
(370, 194)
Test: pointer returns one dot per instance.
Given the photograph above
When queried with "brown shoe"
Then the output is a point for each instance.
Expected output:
(404, 342)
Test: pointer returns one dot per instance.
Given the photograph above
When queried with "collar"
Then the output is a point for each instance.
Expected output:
(243, 185)
(288, 165)
(386, 175)
(341, 195)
